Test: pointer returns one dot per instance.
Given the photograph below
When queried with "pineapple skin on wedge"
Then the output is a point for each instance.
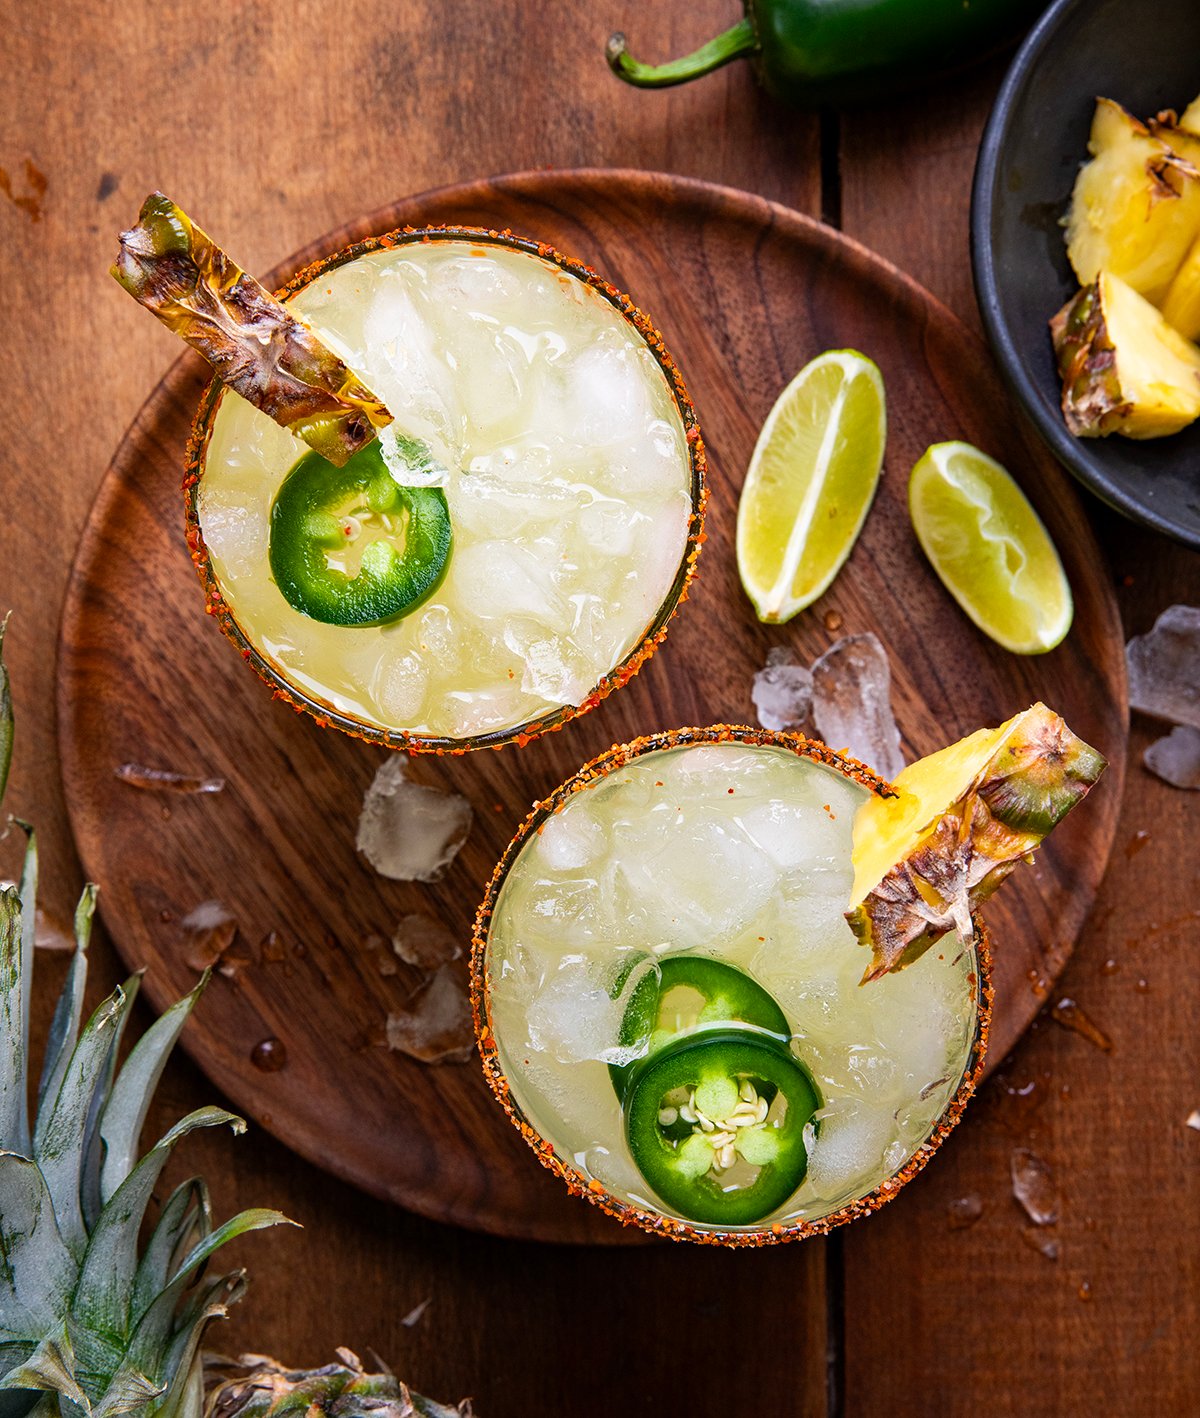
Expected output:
(960, 821)
(1135, 207)
(1123, 368)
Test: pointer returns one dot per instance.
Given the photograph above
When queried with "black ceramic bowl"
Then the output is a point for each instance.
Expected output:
(1145, 54)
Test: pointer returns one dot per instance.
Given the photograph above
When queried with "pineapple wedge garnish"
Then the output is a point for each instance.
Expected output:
(959, 822)
(1124, 369)
(253, 342)
(1135, 208)
(1181, 305)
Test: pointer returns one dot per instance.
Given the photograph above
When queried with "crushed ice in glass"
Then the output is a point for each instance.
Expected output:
(410, 831)
(1175, 758)
(577, 1016)
(424, 941)
(783, 691)
(1033, 1186)
(436, 1026)
(1164, 667)
(554, 432)
(852, 704)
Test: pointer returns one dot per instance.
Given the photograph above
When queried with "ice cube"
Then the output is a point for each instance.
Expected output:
(492, 504)
(424, 941)
(1176, 758)
(410, 460)
(496, 580)
(402, 365)
(609, 526)
(575, 1017)
(852, 703)
(791, 834)
(236, 535)
(465, 282)
(436, 1026)
(1034, 1187)
(166, 780)
(492, 372)
(399, 687)
(848, 1150)
(697, 885)
(570, 839)
(606, 392)
(1164, 667)
(783, 691)
(410, 831)
(551, 673)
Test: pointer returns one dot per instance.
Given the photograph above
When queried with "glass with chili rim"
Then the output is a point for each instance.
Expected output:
(668, 1004)
(505, 555)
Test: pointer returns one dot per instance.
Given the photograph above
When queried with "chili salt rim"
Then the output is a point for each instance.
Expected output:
(323, 712)
(629, 1213)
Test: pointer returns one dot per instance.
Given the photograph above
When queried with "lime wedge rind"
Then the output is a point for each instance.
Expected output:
(810, 483)
(989, 548)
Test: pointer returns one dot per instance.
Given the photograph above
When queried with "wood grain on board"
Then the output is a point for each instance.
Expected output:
(744, 292)
(277, 122)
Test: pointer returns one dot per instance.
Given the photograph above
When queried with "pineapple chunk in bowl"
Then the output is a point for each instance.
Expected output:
(1147, 58)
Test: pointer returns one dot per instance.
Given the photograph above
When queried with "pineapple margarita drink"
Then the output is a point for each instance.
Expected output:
(544, 497)
(670, 991)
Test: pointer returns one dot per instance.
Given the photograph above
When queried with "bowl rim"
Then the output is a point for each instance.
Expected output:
(629, 1213)
(648, 641)
(1078, 459)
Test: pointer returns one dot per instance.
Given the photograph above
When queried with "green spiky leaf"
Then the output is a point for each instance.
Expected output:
(104, 1292)
(125, 1112)
(64, 1029)
(14, 1128)
(51, 1368)
(60, 1137)
(37, 1268)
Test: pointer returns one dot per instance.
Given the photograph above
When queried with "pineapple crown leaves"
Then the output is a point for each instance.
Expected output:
(88, 1325)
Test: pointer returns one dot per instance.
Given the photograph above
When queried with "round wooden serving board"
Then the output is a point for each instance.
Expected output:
(745, 293)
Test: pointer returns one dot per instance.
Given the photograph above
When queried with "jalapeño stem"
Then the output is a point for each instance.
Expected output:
(735, 43)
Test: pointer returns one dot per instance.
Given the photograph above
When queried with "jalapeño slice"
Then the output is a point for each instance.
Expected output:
(715, 1123)
(350, 546)
(690, 991)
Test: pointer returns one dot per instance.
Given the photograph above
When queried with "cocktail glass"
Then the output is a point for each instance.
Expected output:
(729, 845)
(573, 469)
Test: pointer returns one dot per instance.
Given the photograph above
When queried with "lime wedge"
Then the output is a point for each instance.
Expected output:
(810, 483)
(989, 548)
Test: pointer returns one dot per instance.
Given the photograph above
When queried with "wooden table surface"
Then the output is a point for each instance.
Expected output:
(276, 123)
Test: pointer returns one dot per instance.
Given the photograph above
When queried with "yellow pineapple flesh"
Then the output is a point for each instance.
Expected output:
(959, 822)
(1124, 369)
(1181, 305)
(1190, 118)
(1135, 208)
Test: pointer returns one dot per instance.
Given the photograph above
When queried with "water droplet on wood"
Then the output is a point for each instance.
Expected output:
(964, 1211)
(269, 1056)
(1067, 1013)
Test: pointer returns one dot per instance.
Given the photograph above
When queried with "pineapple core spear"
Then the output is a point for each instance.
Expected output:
(255, 345)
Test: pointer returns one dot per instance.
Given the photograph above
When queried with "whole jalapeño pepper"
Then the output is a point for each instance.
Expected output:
(842, 51)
